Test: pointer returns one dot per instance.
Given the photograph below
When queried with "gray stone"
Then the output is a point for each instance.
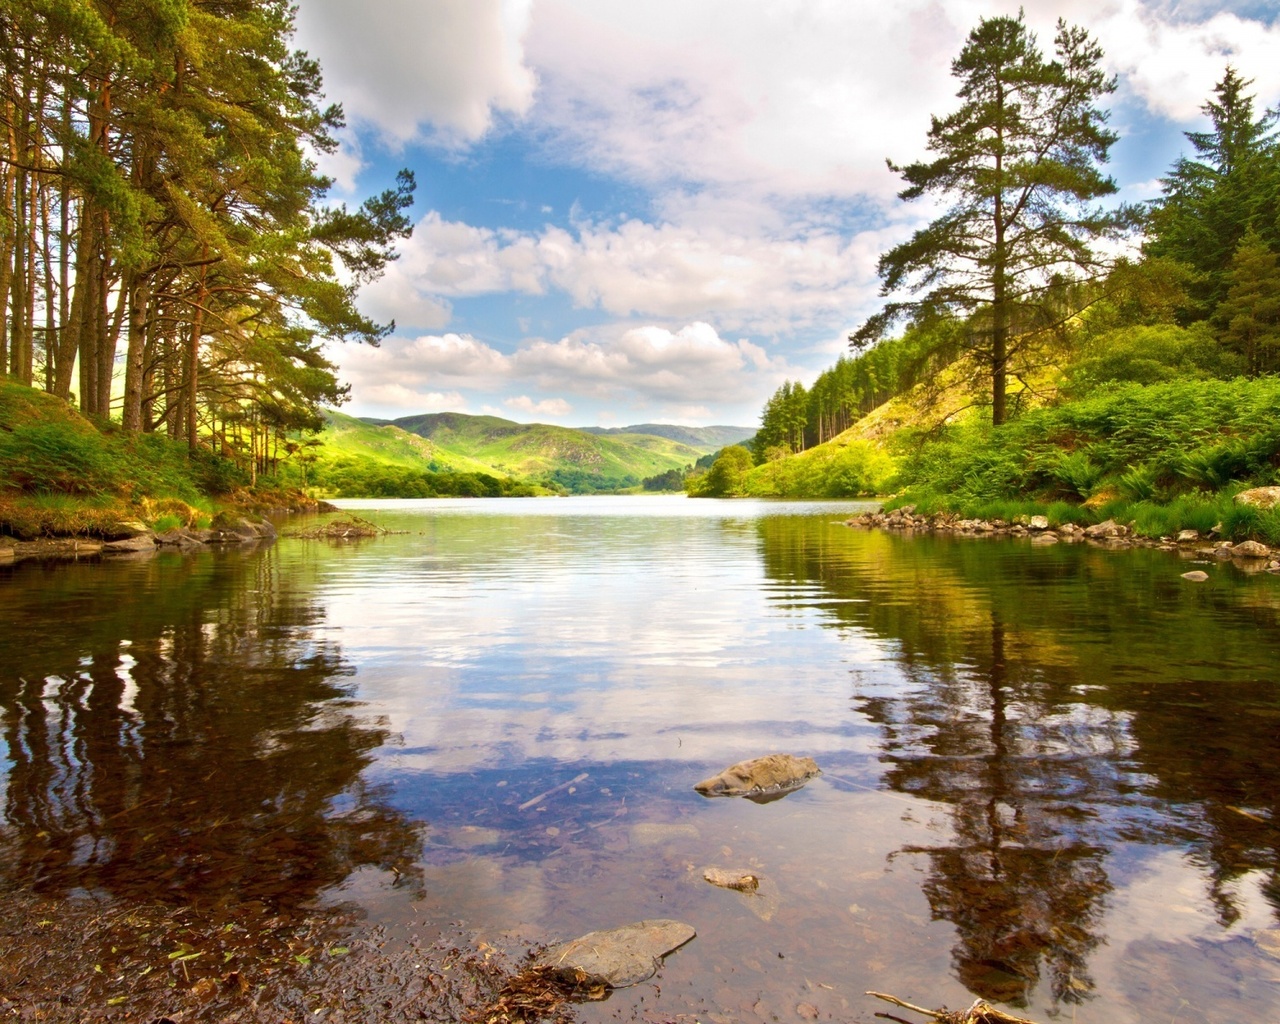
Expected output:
(762, 778)
(1196, 576)
(1104, 530)
(1188, 536)
(1259, 497)
(1039, 522)
(179, 538)
(125, 529)
(142, 542)
(617, 957)
(1250, 549)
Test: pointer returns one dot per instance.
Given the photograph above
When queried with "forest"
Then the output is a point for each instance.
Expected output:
(160, 200)
(1059, 352)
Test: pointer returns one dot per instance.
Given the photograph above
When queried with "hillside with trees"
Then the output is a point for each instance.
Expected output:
(1036, 375)
(161, 201)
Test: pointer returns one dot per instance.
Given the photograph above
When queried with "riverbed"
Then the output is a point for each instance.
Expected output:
(1051, 774)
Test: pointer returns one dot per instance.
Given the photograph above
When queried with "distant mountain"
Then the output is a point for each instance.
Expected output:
(705, 439)
(577, 459)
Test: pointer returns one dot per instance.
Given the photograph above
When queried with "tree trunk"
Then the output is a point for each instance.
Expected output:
(139, 302)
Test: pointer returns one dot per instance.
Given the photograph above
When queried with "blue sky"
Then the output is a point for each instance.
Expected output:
(658, 212)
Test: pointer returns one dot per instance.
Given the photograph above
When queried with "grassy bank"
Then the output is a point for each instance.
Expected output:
(1164, 456)
(63, 475)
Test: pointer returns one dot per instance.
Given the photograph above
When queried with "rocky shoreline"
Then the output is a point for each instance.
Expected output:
(247, 523)
(1249, 554)
(133, 538)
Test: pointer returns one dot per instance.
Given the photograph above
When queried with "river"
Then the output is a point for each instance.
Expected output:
(1051, 774)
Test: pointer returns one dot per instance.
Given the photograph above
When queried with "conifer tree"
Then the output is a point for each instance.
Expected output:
(1249, 315)
(1017, 166)
(1211, 200)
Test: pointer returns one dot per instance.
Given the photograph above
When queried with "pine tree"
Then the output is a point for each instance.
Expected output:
(1249, 315)
(1209, 202)
(1018, 164)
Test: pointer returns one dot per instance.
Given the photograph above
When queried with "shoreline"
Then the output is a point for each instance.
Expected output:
(1249, 554)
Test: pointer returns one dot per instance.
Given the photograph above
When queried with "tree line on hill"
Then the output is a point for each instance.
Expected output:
(159, 197)
(1013, 281)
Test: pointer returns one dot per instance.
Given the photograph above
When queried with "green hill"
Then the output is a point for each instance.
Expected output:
(704, 439)
(415, 454)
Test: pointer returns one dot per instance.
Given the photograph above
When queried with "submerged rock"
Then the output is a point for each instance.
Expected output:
(733, 878)
(762, 778)
(617, 957)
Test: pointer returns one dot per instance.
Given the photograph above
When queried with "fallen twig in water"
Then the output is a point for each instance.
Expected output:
(554, 789)
(981, 1012)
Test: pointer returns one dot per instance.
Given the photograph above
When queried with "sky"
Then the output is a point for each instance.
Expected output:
(660, 211)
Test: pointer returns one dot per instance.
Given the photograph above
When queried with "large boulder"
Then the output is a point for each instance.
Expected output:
(1250, 549)
(617, 957)
(1259, 497)
(762, 778)
(1107, 530)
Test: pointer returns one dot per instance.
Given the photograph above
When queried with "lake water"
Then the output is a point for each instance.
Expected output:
(1051, 773)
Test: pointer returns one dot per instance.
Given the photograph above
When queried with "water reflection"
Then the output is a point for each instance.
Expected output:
(1060, 702)
(177, 729)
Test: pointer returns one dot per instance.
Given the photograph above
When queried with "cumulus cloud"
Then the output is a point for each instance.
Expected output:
(761, 282)
(648, 367)
(439, 68)
(552, 407)
(796, 98)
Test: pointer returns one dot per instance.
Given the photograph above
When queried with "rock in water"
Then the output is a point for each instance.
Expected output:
(762, 778)
(733, 878)
(617, 957)
(1195, 576)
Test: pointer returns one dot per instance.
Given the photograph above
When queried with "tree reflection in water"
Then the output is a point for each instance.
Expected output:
(1020, 878)
(1060, 703)
(181, 732)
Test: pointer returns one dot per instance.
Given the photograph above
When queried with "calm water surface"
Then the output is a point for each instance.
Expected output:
(1051, 774)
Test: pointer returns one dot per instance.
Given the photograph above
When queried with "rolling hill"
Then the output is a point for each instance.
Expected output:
(705, 439)
(536, 454)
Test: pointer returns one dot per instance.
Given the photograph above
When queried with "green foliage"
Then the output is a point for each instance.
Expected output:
(1143, 444)
(1076, 473)
(1138, 483)
(726, 476)
(1148, 354)
(832, 470)
(363, 478)
(671, 480)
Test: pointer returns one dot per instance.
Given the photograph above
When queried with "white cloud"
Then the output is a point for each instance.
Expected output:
(765, 283)
(440, 68)
(392, 395)
(651, 368)
(1172, 65)
(553, 407)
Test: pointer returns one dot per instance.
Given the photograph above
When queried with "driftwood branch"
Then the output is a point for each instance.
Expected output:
(981, 1012)
(554, 789)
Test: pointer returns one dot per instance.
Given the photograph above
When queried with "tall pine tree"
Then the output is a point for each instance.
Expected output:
(1018, 167)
